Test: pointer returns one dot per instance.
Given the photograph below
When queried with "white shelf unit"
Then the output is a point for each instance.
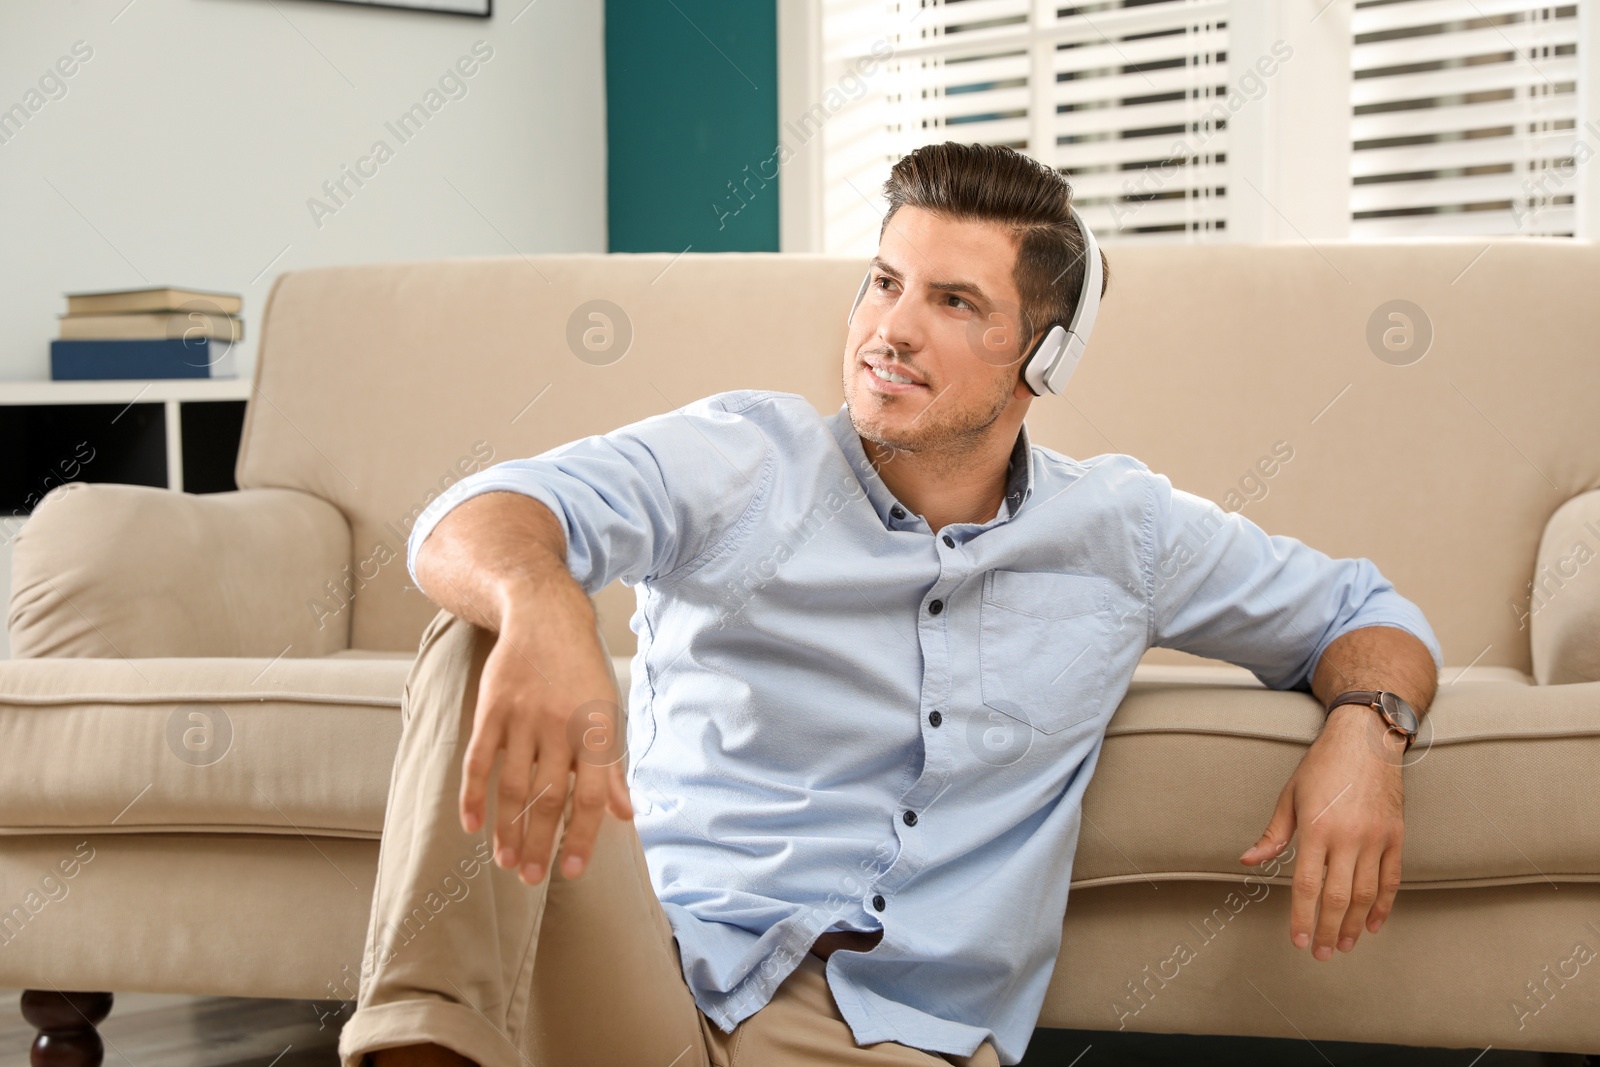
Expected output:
(171, 393)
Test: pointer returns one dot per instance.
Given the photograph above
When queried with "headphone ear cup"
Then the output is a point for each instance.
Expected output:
(1043, 358)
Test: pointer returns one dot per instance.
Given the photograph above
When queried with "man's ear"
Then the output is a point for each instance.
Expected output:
(1021, 392)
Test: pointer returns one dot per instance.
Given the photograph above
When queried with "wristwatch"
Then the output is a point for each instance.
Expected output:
(1395, 711)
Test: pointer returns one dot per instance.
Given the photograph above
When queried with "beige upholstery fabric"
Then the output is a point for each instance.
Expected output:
(250, 745)
(1496, 889)
(126, 570)
(460, 349)
(1443, 472)
(1460, 968)
(271, 746)
(1562, 610)
(1189, 776)
(259, 915)
(1209, 672)
(1458, 473)
(305, 747)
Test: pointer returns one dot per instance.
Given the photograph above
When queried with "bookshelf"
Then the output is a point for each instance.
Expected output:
(178, 433)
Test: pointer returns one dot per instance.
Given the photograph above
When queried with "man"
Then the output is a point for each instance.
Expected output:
(878, 652)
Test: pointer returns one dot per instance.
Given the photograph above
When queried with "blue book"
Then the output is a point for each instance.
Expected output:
(142, 360)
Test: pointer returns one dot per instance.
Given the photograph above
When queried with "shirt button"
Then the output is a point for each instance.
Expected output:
(910, 818)
(879, 903)
(935, 607)
(934, 718)
(949, 542)
(898, 512)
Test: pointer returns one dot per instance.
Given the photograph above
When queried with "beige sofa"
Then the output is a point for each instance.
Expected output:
(199, 729)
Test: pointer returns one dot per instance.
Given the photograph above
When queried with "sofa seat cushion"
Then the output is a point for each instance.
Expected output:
(295, 746)
(276, 746)
(1186, 781)
(1499, 786)
(1213, 672)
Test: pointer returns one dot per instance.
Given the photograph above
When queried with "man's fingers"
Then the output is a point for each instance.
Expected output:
(1363, 895)
(1307, 886)
(591, 793)
(1280, 828)
(1388, 887)
(621, 798)
(542, 813)
(596, 735)
(512, 794)
(1335, 901)
(476, 766)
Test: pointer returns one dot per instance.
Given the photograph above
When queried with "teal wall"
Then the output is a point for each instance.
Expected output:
(684, 120)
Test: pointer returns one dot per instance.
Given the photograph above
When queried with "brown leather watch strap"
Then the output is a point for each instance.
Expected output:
(1369, 697)
(1372, 698)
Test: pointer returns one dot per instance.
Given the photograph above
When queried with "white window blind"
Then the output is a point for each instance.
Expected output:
(1121, 95)
(1463, 118)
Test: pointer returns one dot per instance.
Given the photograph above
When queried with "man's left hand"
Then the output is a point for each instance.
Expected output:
(1347, 801)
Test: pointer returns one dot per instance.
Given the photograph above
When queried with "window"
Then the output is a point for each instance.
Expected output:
(1200, 120)
(1465, 113)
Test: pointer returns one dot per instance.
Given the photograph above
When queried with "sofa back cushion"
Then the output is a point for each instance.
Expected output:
(1272, 379)
(378, 386)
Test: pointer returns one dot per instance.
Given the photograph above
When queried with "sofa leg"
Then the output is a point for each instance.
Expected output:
(66, 1024)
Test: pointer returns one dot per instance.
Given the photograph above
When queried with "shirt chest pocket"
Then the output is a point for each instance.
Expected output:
(1042, 646)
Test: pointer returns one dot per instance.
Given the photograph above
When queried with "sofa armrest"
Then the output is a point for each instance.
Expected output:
(123, 570)
(1563, 611)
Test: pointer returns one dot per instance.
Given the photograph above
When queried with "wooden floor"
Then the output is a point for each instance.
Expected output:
(146, 1030)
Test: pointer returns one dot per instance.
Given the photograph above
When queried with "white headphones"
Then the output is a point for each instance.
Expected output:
(1056, 356)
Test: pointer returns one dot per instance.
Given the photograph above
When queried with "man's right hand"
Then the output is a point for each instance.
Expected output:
(551, 708)
(548, 708)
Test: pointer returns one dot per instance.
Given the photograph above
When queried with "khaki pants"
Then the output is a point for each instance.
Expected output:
(461, 953)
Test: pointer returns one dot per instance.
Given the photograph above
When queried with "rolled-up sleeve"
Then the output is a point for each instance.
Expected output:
(1221, 587)
(638, 503)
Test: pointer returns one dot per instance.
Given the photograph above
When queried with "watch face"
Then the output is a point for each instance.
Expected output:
(1399, 713)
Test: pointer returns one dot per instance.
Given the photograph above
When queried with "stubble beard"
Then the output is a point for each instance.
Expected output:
(942, 436)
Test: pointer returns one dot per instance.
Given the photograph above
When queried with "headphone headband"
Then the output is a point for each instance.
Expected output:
(1056, 356)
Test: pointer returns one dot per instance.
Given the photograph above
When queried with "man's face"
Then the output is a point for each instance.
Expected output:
(941, 310)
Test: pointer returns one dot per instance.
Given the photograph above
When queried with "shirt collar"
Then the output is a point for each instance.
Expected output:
(1019, 475)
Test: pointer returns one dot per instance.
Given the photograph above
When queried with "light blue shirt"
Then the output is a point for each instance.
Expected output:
(840, 718)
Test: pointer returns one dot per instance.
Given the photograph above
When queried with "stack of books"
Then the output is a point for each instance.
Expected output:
(148, 333)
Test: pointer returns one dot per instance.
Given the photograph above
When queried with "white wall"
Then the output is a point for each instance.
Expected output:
(185, 149)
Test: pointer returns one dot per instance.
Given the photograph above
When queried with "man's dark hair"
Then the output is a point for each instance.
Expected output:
(996, 184)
